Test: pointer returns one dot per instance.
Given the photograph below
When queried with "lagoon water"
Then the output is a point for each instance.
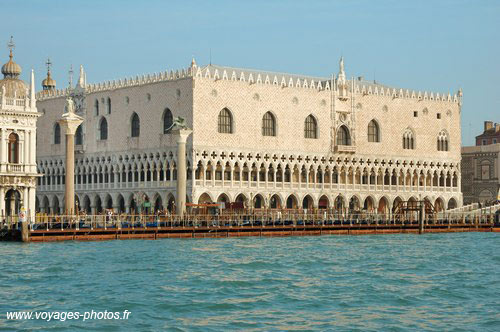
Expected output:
(432, 282)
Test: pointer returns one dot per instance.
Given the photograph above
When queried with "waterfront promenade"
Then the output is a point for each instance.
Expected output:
(50, 228)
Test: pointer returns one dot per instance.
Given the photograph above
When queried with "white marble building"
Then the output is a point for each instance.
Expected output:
(267, 139)
(18, 119)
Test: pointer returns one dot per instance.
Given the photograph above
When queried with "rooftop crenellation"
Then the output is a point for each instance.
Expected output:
(282, 80)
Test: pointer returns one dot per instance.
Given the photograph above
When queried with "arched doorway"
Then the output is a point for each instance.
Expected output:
(109, 202)
(258, 201)
(291, 202)
(223, 199)
(98, 204)
(383, 206)
(204, 199)
(158, 203)
(121, 204)
(86, 205)
(323, 203)
(275, 202)
(46, 204)
(368, 205)
(12, 202)
(339, 204)
(439, 204)
(55, 205)
(396, 203)
(307, 202)
(242, 200)
(354, 205)
(452, 203)
(171, 204)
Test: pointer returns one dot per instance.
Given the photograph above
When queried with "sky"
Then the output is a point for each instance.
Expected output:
(437, 46)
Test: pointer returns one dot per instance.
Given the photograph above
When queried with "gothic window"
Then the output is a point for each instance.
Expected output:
(442, 141)
(96, 107)
(225, 125)
(103, 129)
(408, 140)
(109, 105)
(168, 120)
(343, 136)
(57, 134)
(79, 136)
(268, 125)
(373, 132)
(13, 148)
(135, 126)
(310, 127)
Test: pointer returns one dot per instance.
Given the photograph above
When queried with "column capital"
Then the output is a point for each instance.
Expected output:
(182, 134)
(70, 125)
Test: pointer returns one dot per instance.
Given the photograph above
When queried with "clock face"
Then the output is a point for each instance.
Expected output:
(343, 117)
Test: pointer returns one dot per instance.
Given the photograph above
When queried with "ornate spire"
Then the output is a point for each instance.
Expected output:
(193, 63)
(70, 74)
(11, 45)
(48, 83)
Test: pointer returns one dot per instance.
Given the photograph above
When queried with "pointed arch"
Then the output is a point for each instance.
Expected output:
(57, 133)
(108, 105)
(373, 131)
(135, 125)
(442, 141)
(168, 120)
(343, 136)
(268, 124)
(225, 122)
(311, 127)
(409, 141)
(103, 129)
(79, 135)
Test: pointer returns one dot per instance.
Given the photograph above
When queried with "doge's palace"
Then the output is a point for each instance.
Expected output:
(261, 138)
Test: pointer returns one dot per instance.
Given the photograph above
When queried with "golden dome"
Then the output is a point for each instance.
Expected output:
(11, 69)
(11, 83)
(13, 87)
(48, 83)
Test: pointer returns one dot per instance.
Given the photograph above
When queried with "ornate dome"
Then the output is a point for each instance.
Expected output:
(48, 83)
(11, 69)
(12, 85)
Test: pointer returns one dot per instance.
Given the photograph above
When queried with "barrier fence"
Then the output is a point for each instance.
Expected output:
(250, 218)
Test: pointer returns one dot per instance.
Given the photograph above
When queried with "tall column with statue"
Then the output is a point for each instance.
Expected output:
(180, 129)
(69, 123)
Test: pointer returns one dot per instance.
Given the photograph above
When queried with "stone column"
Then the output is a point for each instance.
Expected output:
(2, 203)
(69, 123)
(182, 135)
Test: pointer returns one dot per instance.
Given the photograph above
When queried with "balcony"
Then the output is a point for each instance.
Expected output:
(15, 168)
(345, 148)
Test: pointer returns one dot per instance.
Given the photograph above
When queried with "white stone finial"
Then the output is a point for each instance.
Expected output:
(81, 79)
(342, 76)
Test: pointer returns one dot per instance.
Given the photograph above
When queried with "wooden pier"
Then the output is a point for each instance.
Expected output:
(45, 228)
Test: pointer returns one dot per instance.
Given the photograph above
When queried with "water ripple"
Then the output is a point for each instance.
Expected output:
(433, 282)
